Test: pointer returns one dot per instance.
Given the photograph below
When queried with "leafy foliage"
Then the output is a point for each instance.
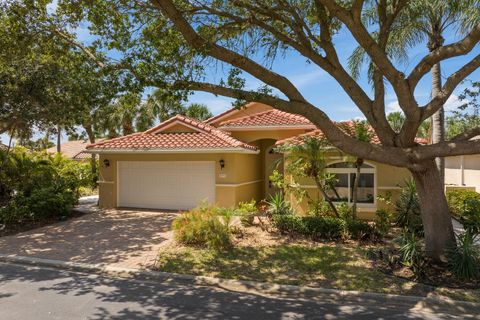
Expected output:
(467, 115)
(277, 205)
(465, 257)
(383, 221)
(465, 205)
(36, 186)
(412, 254)
(407, 209)
(247, 212)
(203, 226)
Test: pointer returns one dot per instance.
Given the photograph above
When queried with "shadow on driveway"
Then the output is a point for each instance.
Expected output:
(127, 238)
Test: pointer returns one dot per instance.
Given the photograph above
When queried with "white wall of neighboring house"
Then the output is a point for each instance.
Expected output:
(463, 171)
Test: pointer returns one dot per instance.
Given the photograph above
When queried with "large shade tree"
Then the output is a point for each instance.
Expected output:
(170, 44)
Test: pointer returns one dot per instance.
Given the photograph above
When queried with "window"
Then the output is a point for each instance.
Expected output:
(342, 190)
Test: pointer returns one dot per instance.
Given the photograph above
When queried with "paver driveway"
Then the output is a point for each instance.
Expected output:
(127, 238)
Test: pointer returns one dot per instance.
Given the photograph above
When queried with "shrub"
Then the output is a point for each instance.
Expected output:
(202, 226)
(278, 206)
(289, 223)
(457, 200)
(383, 221)
(328, 228)
(465, 205)
(465, 257)
(247, 212)
(344, 211)
(412, 255)
(407, 209)
(315, 227)
(39, 186)
(359, 230)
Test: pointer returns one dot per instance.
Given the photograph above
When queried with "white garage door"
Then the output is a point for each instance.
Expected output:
(174, 185)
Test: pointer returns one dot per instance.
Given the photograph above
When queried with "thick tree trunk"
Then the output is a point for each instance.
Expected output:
(326, 197)
(438, 120)
(436, 219)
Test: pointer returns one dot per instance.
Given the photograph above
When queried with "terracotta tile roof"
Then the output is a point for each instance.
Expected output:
(347, 126)
(74, 149)
(272, 117)
(204, 137)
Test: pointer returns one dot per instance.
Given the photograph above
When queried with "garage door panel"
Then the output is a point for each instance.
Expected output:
(165, 184)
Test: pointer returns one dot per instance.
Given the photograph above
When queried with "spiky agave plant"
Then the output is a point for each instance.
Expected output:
(465, 257)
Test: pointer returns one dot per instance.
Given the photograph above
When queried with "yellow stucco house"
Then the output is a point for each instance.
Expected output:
(223, 160)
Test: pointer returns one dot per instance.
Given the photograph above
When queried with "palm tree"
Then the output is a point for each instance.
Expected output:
(198, 111)
(308, 159)
(162, 105)
(396, 120)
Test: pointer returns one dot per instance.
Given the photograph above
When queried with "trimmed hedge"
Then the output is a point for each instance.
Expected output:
(458, 200)
(322, 227)
(465, 205)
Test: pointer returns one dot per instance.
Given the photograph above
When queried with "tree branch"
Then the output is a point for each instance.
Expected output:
(223, 54)
(467, 135)
(452, 82)
(458, 48)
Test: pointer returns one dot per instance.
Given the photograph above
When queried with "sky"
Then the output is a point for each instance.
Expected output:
(321, 89)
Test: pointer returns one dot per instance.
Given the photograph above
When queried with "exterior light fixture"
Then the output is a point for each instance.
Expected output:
(106, 163)
(222, 164)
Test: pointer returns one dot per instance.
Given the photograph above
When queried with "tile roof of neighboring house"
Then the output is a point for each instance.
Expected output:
(74, 149)
(268, 118)
(346, 126)
(204, 137)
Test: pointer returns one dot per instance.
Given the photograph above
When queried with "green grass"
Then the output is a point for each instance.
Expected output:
(329, 266)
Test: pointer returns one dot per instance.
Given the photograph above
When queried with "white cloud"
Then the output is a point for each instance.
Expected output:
(393, 106)
(452, 103)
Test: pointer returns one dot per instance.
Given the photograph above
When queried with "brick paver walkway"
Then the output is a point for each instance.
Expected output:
(126, 238)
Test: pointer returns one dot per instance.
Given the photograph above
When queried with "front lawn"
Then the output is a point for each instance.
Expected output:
(338, 266)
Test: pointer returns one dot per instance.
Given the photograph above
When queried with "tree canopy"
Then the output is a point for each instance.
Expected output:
(171, 44)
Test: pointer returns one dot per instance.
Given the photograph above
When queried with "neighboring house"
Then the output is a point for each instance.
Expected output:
(224, 160)
(463, 172)
(74, 149)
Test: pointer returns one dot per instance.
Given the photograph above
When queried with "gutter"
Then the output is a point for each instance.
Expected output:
(171, 151)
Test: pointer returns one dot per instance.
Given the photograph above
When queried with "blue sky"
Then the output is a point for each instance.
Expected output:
(322, 90)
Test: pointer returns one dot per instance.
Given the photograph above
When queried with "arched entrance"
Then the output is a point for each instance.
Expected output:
(271, 161)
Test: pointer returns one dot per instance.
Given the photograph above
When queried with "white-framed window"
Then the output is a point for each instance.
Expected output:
(345, 173)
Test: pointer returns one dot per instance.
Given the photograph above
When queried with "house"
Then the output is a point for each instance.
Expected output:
(463, 172)
(74, 149)
(224, 160)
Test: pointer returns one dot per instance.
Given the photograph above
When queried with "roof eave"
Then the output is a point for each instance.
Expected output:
(268, 128)
(171, 151)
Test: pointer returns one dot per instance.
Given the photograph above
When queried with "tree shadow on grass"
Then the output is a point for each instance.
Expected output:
(129, 299)
(326, 266)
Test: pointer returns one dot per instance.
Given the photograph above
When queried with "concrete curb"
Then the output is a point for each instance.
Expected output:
(244, 286)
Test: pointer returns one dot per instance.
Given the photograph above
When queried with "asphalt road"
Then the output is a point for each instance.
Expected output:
(42, 293)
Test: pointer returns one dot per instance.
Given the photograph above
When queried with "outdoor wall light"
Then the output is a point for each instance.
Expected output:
(222, 164)
(106, 163)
